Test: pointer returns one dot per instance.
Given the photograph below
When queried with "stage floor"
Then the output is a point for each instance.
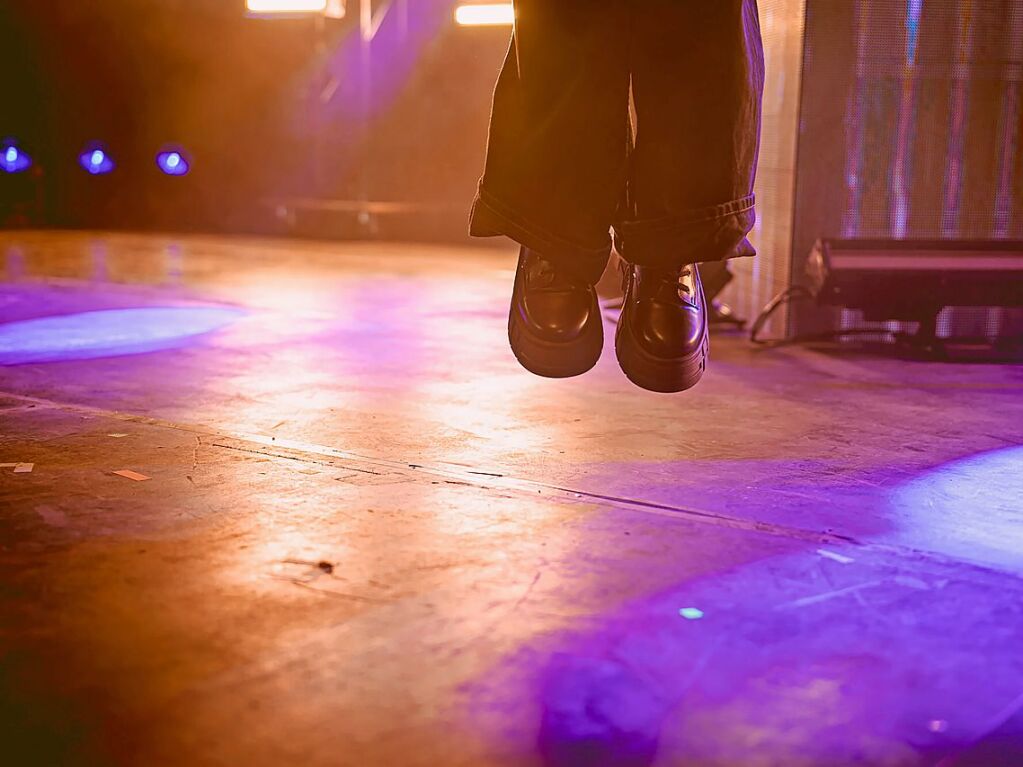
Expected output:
(368, 537)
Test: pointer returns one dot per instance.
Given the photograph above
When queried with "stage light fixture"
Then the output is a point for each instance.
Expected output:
(485, 14)
(96, 161)
(13, 160)
(905, 279)
(173, 163)
(914, 280)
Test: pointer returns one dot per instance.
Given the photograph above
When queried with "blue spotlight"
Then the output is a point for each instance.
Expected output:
(13, 160)
(96, 161)
(173, 163)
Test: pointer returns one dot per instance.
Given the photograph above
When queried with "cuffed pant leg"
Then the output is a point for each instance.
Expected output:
(556, 158)
(698, 74)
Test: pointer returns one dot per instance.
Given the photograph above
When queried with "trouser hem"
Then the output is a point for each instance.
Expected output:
(491, 217)
(714, 233)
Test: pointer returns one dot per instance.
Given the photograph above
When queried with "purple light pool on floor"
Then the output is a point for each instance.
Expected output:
(108, 333)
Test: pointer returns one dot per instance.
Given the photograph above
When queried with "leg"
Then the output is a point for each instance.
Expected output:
(698, 75)
(556, 161)
(697, 80)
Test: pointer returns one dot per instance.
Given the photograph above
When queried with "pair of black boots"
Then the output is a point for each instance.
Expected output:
(662, 341)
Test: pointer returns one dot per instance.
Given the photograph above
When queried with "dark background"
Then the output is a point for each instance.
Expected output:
(405, 118)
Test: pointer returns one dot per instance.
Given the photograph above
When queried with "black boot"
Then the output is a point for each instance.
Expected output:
(554, 325)
(662, 340)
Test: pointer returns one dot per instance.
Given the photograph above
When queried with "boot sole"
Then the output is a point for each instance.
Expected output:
(655, 373)
(551, 359)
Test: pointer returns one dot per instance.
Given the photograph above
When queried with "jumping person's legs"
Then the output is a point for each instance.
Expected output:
(559, 174)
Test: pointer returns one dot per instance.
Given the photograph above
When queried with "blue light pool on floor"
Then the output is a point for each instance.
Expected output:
(972, 506)
(108, 333)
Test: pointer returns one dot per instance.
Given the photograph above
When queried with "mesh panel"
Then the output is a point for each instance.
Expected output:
(911, 128)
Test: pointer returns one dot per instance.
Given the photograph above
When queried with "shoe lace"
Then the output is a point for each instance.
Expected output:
(545, 275)
(675, 286)
(684, 280)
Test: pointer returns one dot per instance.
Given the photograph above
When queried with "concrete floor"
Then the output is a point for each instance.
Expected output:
(369, 538)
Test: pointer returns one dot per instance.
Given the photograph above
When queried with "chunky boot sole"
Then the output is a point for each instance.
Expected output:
(555, 360)
(666, 376)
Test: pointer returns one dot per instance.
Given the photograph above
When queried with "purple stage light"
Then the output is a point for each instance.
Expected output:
(96, 161)
(173, 163)
(13, 160)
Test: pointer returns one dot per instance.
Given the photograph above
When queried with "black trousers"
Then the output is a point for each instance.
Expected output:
(565, 164)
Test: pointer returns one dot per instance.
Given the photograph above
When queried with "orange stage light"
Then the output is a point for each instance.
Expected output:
(491, 14)
(331, 8)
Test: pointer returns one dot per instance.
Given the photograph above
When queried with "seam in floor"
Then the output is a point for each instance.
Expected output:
(302, 452)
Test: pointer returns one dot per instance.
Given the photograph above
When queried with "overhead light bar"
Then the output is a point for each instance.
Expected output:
(286, 6)
(334, 9)
(485, 15)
